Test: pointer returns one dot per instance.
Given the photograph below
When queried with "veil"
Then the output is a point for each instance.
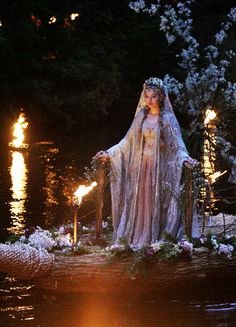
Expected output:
(155, 83)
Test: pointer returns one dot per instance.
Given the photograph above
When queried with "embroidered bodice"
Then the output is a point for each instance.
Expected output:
(149, 130)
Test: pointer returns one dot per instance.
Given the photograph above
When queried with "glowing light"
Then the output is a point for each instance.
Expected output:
(52, 20)
(73, 16)
(209, 116)
(82, 191)
(18, 132)
(209, 156)
(0, 23)
(18, 172)
(212, 178)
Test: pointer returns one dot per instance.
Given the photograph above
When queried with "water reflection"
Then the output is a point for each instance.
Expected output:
(18, 172)
(50, 185)
(16, 303)
(23, 305)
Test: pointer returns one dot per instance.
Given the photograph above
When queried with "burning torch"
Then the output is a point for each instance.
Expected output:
(77, 199)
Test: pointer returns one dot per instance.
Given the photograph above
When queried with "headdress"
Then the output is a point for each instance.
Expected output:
(153, 83)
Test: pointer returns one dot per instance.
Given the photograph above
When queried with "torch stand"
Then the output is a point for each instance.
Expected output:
(75, 220)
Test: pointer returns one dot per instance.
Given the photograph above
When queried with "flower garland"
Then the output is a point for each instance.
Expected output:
(141, 258)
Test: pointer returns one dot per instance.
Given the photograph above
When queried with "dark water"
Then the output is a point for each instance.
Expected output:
(37, 185)
(36, 188)
(23, 305)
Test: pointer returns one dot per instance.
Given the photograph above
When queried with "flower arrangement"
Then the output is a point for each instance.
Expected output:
(170, 249)
(54, 239)
(141, 258)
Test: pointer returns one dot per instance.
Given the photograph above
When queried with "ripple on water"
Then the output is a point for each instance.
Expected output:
(23, 305)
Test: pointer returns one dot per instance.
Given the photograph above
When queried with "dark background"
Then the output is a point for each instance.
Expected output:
(81, 79)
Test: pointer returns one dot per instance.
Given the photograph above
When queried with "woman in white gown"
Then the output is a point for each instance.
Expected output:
(146, 168)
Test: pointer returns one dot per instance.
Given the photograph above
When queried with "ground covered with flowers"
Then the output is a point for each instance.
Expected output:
(169, 248)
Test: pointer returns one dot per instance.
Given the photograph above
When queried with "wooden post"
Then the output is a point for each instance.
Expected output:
(100, 201)
(75, 218)
(189, 202)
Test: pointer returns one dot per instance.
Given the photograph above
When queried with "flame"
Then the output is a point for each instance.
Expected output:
(73, 16)
(209, 147)
(212, 178)
(19, 131)
(52, 20)
(209, 115)
(81, 191)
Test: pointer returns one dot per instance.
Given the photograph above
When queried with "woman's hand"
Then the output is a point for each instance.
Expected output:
(191, 163)
(102, 155)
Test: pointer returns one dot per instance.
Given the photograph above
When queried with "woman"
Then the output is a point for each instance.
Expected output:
(146, 167)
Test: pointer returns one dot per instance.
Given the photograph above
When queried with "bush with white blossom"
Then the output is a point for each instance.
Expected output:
(57, 238)
(202, 85)
(42, 239)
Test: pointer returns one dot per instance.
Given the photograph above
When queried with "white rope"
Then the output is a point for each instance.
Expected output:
(24, 261)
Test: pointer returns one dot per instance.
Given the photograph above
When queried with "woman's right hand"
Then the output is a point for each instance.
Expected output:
(102, 155)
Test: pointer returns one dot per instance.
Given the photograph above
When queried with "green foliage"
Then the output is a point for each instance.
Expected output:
(169, 237)
(141, 263)
(208, 242)
(13, 238)
(196, 242)
(68, 71)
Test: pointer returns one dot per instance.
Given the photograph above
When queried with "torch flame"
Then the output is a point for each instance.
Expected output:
(81, 191)
(209, 115)
(52, 20)
(212, 178)
(19, 131)
(73, 16)
(209, 167)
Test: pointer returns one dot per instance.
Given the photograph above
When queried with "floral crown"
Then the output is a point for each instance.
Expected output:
(154, 83)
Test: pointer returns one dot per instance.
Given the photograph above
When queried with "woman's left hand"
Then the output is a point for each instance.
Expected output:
(191, 163)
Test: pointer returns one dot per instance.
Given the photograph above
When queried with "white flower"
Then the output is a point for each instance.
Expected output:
(61, 230)
(42, 239)
(232, 14)
(177, 249)
(115, 246)
(202, 239)
(156, 246)
(214, 242)
(186, 246)
(212, 52)
(226, 249)
(220, 37)
(22, 239)
(104, 224)
(85, 228)
(137, 6)
(64, 240)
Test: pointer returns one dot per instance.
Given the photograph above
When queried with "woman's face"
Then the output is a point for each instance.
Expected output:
(152, 99)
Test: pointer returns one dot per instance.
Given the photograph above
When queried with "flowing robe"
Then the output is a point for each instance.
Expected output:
(126, 159)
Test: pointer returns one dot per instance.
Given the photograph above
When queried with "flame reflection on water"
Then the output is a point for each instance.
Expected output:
(21, 303)
(18, 172)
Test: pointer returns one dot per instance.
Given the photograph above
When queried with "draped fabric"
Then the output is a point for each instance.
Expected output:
(145, 193)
